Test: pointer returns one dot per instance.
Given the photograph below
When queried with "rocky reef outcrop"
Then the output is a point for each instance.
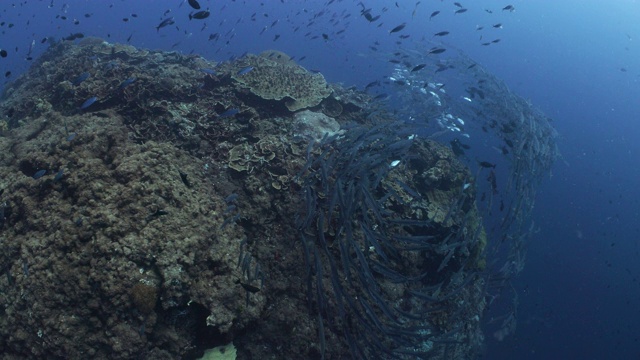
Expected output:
(166, 216)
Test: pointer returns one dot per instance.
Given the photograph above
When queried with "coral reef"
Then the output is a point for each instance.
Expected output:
(160, 221)
(314, 126)
(275, 77)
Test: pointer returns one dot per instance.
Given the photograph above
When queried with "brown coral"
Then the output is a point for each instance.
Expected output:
(274, 77)
(144, 297)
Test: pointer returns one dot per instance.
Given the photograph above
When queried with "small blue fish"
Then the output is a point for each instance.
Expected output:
(111, 65)
(231, 198)
(245, 70)
(228, 113)
(88, 102)
(59, 175)
(127, 82)
(208, 71)
(39, 174)
(82, 77)
(25, 268)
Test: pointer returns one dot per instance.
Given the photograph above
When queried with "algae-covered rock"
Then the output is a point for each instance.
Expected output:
(112, 242)
(222, 352)
(274, 77)
(311, 125)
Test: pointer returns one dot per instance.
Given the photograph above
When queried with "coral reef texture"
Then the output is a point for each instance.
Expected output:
(163, 219)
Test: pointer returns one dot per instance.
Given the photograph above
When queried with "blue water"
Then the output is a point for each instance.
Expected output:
(576, 60)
